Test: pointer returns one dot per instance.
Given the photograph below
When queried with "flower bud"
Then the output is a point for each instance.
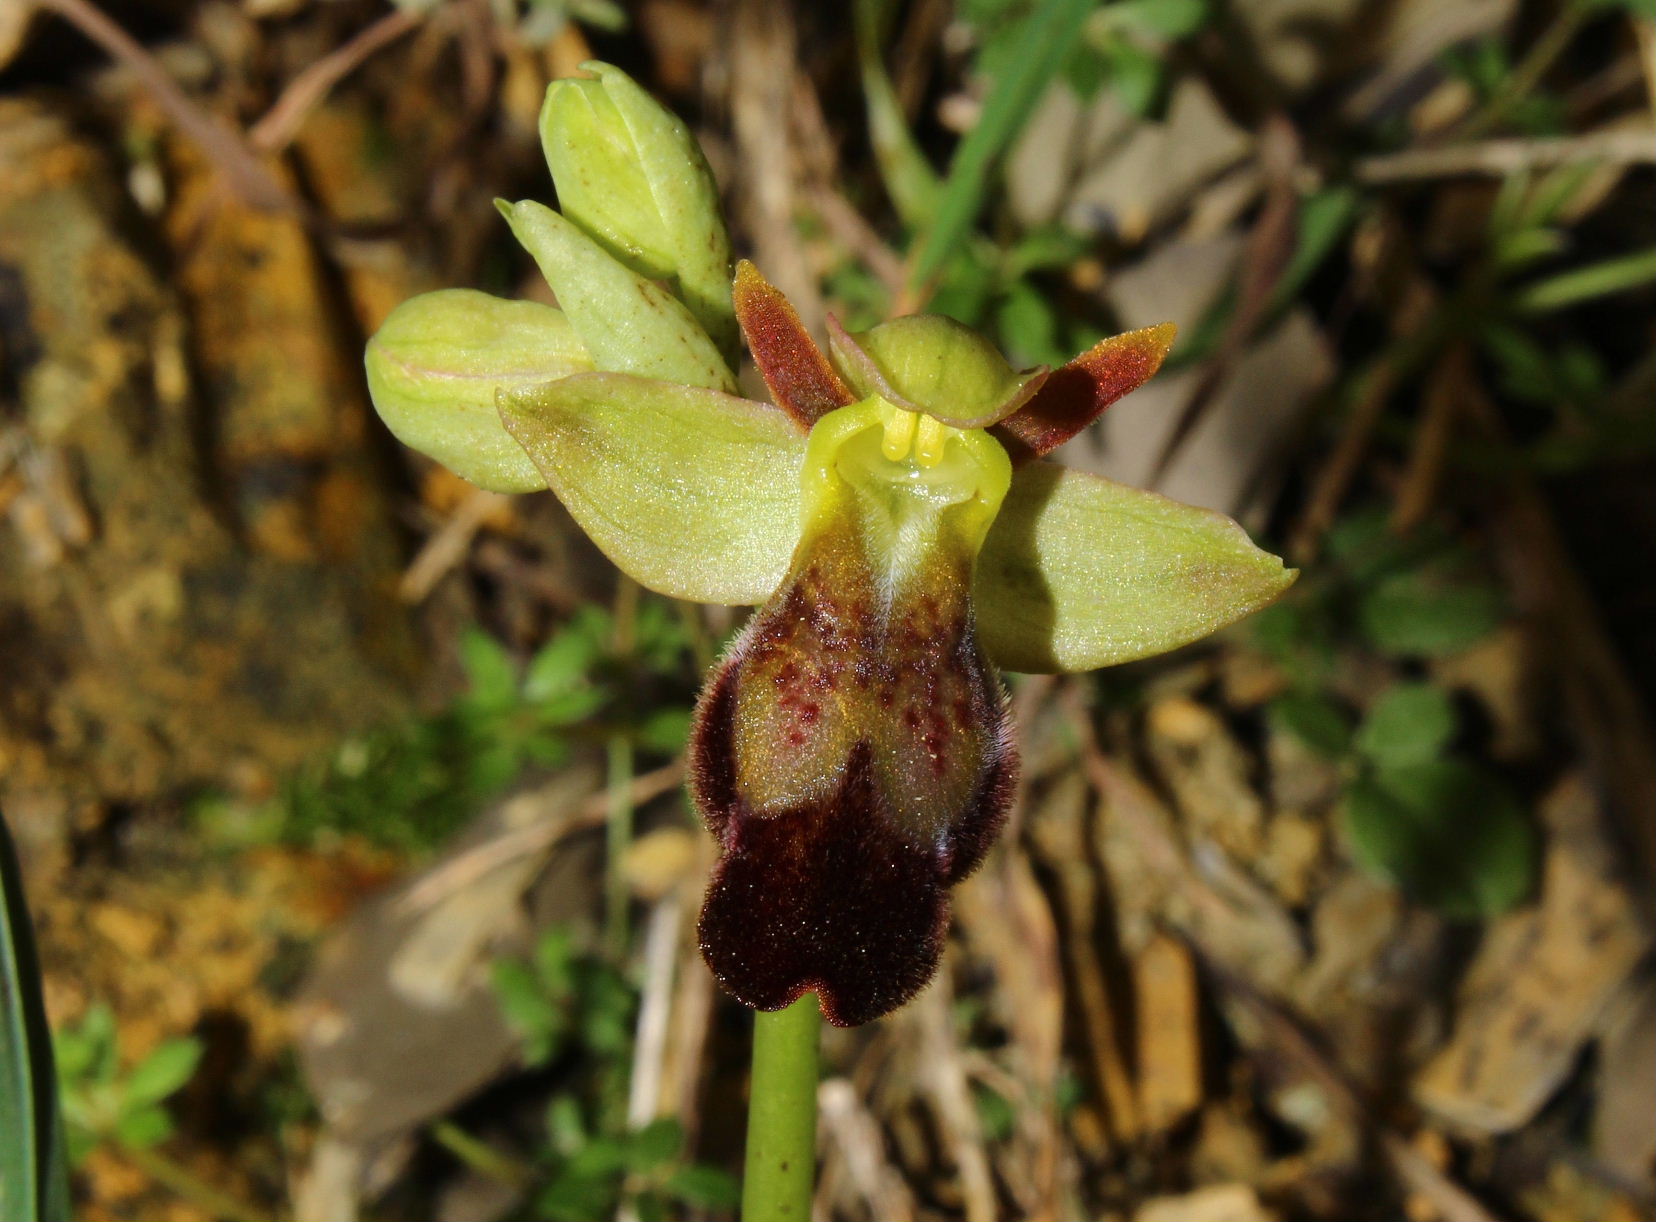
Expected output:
(631, 175)
(437, 363)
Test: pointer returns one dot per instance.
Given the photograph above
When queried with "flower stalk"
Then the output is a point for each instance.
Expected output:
(782, 1111)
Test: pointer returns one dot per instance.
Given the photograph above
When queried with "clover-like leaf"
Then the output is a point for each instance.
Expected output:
(434, 367)
(631, 175)
(628, 323)
(691, 492)
(1079, 572)
(1449, 833)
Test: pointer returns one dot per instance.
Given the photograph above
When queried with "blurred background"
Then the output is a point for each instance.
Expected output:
(309, 747)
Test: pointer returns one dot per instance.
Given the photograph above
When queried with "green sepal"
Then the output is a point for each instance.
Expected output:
(631, 175)
(1079, 572)
(930, 363)
(691, 492)
(628, 323)
(434, 367)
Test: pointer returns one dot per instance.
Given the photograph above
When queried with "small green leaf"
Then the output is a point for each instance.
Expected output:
(704, 1187)
(1079, 572)
(1315, 720)
(492, 682)
(655, 1145)
(692, 493)
(1447, 833)
(1614, 275)
(143, 1127)
(1430, 612)
(165, 1070)
(1168, 19)
(1410, 724)
(566, 661)
(434, 368)
(665, 731)
(629, 324)
(631, 175)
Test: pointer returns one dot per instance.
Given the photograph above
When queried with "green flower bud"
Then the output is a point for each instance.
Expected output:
(437, 363)
(932, 364)
(631, 175)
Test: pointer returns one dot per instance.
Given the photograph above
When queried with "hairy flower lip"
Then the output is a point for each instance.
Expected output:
(851, 753)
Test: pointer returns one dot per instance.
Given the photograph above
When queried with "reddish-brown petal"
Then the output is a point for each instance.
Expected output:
(801, 381)
(1075, 395)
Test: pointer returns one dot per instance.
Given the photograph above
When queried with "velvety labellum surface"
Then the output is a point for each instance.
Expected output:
(852, 754)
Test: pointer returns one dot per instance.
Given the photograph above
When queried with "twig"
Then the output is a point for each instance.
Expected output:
(1418, 325)
(1269, 246)
(447, 547)
(764, 63)
(1431, 441)
(250, 179)
(281, 123)
(1286, 1036)
(850, 1126)
(1499, 158)
(461, 871)
(951, 1095)
(655, 1008)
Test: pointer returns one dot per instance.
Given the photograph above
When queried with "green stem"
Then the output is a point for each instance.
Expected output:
(480, 1156)
(782, 1108)
(187, 1184)
(1554, 41)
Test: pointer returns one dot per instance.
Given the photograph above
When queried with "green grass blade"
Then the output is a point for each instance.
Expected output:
(1585, 283)
(34, 1180)
(1047, 39)
(909, 178)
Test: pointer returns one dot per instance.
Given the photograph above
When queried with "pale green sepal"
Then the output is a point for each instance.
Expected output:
(1079, 572)
(434, 367)
(631, 175)
(930, 363)
(629, 324)
(691, 492)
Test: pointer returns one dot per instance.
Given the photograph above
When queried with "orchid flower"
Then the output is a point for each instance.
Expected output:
(889, 513)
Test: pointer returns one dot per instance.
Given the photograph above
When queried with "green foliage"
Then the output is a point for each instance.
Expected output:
(1407, 597)
(34, 1182)
(575, 1013)
(104, 1103)
(1032, 57)
(1486, 66)
(1443, 829)
(1447, 831)
(411, 785)
(1410, 723)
